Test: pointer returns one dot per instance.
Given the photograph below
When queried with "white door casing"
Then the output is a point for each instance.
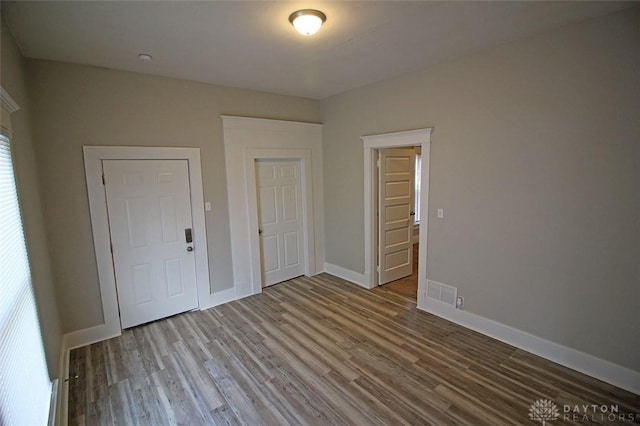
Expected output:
(419, 137)
(149, 208)
(303, 158)
(280, 219)
(93, 158)
(396, 186)
(245, 140)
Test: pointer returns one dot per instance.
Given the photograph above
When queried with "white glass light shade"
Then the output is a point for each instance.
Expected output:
(308, 21)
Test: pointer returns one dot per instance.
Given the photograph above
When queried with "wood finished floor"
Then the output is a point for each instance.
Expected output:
(318, 351)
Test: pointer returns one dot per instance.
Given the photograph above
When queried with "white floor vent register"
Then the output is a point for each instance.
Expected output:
(442, 292)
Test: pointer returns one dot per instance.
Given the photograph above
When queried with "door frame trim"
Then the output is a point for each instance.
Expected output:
(308, 243)
(242, 136)
(379, 176)
(419, 137)
(93, 157)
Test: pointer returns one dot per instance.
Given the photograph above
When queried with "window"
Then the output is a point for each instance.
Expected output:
(418, 177)
(25, 387)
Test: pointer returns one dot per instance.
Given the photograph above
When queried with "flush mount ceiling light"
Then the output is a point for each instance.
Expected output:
(144, 57)
(307, 21)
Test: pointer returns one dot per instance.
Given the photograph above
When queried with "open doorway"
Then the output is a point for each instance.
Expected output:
(419, 142)
(397, 183)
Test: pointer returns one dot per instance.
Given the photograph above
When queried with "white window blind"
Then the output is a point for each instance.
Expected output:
(25, 387)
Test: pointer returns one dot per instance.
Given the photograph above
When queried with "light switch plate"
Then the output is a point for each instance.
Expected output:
(207, 206)
(440, 213)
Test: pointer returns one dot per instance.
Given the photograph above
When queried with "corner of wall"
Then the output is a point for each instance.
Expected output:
(346, 274)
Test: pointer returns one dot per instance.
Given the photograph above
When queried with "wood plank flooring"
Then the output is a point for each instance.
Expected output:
(319, 351)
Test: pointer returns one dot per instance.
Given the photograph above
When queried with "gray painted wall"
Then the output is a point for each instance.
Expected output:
(14, 82)
(536, 161)
(75, 105)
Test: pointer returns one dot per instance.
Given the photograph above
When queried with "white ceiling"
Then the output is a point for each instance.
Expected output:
(252, 44)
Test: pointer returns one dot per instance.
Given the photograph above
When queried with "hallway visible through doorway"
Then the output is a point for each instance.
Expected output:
(407, 286)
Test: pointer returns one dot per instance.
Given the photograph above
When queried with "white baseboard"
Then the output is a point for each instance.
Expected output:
(88, 336)
(590, 365)
(345, 274)
(73, 340)
(99, 333)
(62, 408)
(220, 297)
(53, 404)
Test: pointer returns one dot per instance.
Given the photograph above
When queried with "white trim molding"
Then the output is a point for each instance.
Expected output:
(220, 297)
(7, 102)
(590, 365)
(245, 140)
(53, 405)
(345, 274)
(93, 157)
(421, 138)
(62, 409)
(7, 107)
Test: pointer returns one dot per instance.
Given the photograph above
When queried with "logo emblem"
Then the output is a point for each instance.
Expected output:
(543, 411)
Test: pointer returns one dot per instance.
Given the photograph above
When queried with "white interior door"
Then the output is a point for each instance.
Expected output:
(149, 207)
(395, 205)
(279, 186)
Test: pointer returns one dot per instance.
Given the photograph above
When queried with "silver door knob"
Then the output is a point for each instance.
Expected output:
(189, 248)
(412, 214)
(259, 231)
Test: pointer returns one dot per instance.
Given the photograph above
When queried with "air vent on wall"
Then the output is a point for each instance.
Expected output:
(442, 292)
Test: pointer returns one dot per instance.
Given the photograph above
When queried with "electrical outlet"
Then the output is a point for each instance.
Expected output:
(460, 302)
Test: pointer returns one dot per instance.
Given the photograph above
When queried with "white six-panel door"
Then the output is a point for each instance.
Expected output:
(149, 207)
(395, 220)
(279, 187)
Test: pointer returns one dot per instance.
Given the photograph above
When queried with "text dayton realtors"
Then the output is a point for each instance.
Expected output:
(594, 412)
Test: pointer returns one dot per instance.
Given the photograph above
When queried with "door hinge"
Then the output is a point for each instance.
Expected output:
(378, 268)
(378, 163)
(103, 182)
